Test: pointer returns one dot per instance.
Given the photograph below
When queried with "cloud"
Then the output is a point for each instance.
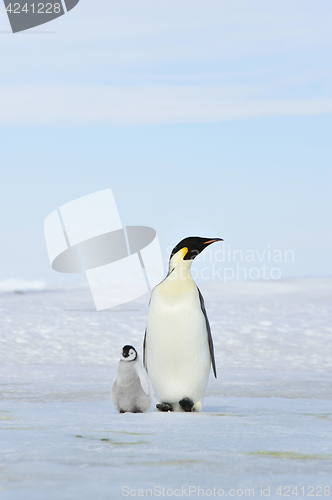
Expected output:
(101, 43)
(131, 105)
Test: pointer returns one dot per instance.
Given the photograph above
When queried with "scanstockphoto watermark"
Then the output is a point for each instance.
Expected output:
(186, 491)
(197, 491)
(227, 264)
(121, 262)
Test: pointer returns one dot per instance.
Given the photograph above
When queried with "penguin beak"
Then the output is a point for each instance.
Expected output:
(208, 242)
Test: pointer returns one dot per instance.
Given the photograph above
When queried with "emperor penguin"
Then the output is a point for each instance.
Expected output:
(178, 347)
(131, 389)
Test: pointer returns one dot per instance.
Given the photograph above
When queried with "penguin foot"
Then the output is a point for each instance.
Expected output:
(122, 411)
(164, 407)
(187, 404)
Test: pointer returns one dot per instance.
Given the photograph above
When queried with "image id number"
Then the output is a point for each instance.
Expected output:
(310, 491)
(38, 8)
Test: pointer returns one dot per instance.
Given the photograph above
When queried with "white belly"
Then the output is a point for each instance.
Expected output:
(177, 352)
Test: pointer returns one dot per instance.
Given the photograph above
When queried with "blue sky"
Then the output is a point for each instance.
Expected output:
(210, 119)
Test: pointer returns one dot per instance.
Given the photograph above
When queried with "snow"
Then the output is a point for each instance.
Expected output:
(266, 421)
(13, 285)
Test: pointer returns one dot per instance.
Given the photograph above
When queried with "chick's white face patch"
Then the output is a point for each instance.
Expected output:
(87, 235)
(131, 356)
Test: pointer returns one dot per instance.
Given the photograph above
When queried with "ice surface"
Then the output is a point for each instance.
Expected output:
(266, 420)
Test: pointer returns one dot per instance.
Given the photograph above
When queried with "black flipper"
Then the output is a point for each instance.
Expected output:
(144, 351)
(209, 335)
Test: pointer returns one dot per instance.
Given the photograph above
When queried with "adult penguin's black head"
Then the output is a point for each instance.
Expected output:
(192, 246)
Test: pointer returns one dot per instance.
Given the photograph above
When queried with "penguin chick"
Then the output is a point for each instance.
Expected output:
(178, 347)
(131, 389)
